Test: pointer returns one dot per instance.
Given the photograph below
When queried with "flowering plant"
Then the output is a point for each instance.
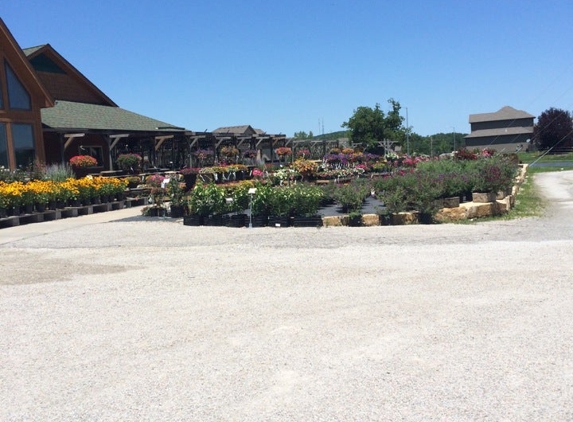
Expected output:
(158, 196)
(250, 153)
(257, 173)
(154, 180)
(10, 194)
(282, 151)
(229, 151)
(83, 161)
(203, 154)
(306, 168)
(303, 153)
(190, 170)
(129, 162)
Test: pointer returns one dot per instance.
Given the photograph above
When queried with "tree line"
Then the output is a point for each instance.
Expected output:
(376, 131)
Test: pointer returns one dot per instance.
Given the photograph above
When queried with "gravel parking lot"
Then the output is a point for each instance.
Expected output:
(136, 319)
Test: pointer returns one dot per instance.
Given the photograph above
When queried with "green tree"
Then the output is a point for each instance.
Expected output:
(554, 128)
(369, 126)
(303, 135)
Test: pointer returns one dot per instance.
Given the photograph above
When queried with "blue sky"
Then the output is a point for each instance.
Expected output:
(283, 66)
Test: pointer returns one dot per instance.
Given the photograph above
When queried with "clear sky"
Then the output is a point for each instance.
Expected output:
(283, 66)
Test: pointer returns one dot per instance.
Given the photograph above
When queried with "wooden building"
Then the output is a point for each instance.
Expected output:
(507, 130)
(51, 112)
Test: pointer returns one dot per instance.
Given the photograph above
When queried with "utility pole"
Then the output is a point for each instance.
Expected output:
(407, 132)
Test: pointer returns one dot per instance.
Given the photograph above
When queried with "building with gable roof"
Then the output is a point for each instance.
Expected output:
(507, 130)
(50, 111)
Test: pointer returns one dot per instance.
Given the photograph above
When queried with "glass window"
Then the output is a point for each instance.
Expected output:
(23, 140)
(3, 146)
(18, 97)
(1, 95)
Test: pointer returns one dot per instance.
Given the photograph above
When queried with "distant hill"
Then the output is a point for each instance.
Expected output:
(332, 135)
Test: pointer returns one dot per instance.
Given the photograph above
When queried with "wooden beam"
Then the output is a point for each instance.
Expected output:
(194, 140)
(70, 137)
(160, 140)
(116, 139)
(261, 140)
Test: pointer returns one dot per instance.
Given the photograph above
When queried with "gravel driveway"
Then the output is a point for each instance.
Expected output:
(138, 320)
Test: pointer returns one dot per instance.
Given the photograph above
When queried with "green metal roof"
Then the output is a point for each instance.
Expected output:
(71, 115)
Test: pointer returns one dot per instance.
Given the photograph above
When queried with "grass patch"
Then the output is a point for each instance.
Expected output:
(528, 202)
(530, 157)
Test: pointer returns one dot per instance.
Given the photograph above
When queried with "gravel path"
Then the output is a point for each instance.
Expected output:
(138, 320)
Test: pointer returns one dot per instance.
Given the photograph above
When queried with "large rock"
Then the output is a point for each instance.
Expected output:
(331, 221)
(370, 220)
(451, 214)
(478, 210)
(402, 218)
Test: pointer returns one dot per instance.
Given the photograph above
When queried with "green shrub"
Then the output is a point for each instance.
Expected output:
(306, 200)
(279, 201)
(207, 199)
(352, 196)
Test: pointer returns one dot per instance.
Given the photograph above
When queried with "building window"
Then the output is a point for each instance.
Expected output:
(18, 97)
(95, 152)
(1, 94)
(3, 146)
(23, 141)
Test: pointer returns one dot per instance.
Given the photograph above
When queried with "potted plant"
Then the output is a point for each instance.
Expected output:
(82, 161)
(260, 205)
(283, 153)
(279, 202)
(207, 201)
(176, 197)
(190, 176)
(423, 195)
(237, 198)
(306, 168)
(130, 163)
(204, 156)
(157, 197)
(82, 164)
(229, 152)
(306, 201)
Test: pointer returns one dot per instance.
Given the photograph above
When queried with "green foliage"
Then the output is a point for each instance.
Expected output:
(207, 199)
(239, 195)
(493, 175)
(175, 191)
(306, 199)
(303, 135)
(368, 126)
(261, 199)
(279, 201)
(395, 200)
(58, 172)
(352, 196)
(129, 162)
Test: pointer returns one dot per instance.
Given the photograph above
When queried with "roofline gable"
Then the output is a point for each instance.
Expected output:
(6, 35)
(504, 113)
(70, 70)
